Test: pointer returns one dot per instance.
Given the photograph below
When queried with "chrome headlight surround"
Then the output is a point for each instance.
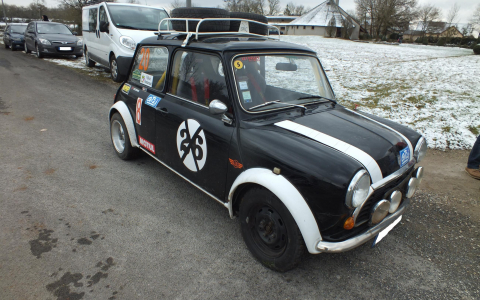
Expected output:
(128, 42)
(420, 149)
(358, 189)
(44, 41)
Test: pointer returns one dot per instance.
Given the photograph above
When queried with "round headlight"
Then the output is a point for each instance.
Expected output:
(412, 187)
(358, 189)
(379, 211)
(420, 149)
(395, 200)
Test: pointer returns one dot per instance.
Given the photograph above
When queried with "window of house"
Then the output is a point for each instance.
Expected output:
(150, 66)
(313, 27)
(304, 27)
(198, 78)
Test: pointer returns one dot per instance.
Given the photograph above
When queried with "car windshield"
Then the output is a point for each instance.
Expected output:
(53, 28)
(275, 81)
(18, 28)
(136, 17)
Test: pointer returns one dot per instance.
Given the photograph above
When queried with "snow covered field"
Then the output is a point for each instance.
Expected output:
(434, 90)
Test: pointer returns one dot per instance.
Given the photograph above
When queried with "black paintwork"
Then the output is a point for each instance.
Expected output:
(320, 173)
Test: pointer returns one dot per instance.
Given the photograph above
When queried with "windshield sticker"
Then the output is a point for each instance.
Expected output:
(251, 58)
(146, 144)
(145, 59)
(135, 89)
(126, 88)
(404, 156)
(138, 111)
(192, 145)
(243, 85)
(146, 79)
(136, 74)
(247, 98)
(238, 64)
(152, 101)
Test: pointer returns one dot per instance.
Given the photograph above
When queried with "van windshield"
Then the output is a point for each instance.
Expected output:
(136, 17)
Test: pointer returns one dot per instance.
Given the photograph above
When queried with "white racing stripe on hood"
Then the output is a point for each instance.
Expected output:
(359, 155)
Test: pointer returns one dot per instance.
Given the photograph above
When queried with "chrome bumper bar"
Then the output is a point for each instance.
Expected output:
(349, 244)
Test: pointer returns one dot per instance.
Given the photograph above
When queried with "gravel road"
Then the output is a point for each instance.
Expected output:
(79, 223)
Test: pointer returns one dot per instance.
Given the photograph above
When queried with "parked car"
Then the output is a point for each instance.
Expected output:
(111, 32)
(254, 124)
(50, 38)
(13, 35)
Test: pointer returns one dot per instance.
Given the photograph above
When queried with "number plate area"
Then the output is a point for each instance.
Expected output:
(65, 48)
(384, 232)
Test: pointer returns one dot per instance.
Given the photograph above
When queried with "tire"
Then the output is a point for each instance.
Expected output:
(88, 62)
(78, 55)
(269, 230)
(114, 70)
(5, 44)
(12, 46)
(120, 140)
(38, 53)
(253, 27)
(201, 13)
(26, 48)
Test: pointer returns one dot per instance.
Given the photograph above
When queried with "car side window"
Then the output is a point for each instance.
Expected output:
(92, 19)
(30, 27)
(198, 78)
(150, 67)
(7, 30)
(102, 15)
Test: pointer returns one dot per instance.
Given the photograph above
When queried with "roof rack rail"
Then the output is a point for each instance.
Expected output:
(243, 28)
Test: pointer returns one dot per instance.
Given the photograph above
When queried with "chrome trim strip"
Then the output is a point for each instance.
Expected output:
(354, 242)
(357, 210)
(394, 175)
(224, 204)
(359, 155)
(420, 141)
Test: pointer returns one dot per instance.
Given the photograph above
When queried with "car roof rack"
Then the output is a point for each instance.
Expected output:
(243, 29)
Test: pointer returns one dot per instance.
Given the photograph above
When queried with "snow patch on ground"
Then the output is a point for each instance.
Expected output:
(434, 90)
(79, 63)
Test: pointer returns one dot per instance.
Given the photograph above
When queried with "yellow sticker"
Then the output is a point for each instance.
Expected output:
(126, 89)
(238, 64)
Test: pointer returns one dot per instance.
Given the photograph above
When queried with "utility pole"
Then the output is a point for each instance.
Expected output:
(189, 3)
(4, 14)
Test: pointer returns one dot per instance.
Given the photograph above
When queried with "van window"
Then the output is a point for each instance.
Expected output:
(136, 17)
(150, 66)
(92, 19)
(102, 15)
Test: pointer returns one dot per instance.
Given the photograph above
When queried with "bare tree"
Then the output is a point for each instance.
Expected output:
(331, 29)
(427, 14)
(176, 4)
(250, 6)
(453, 14)
(273, 7)
(476, 16)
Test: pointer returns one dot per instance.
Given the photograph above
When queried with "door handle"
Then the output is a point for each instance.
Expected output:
(163, 110)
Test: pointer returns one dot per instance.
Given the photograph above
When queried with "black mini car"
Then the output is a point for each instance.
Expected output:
(252, 122)
(13, 36)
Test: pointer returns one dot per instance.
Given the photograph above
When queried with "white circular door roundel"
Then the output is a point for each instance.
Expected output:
(192, 145)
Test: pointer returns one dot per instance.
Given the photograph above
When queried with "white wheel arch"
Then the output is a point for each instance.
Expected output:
(122, 109)
(290, 197)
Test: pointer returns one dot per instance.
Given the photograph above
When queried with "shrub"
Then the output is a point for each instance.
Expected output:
(476, 49)
(394, 36)
(425, 41)
(441, 41)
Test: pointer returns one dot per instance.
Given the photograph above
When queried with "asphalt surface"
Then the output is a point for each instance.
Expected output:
(76, 222)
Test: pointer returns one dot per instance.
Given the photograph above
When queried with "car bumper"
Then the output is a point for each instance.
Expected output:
(354, 242)
(17, 43)
(123, 64)
(56, 50)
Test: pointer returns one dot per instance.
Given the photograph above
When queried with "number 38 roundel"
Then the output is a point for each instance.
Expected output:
(192, 145)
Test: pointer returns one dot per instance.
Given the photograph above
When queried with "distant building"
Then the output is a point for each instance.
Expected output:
(280, 21)
(439, 29)
(326, 19)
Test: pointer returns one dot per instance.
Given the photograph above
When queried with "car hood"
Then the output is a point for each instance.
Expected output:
(59, 37)
(136, 35)
(379, 148)
(16, 35)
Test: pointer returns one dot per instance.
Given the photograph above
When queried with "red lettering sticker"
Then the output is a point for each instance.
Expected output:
(146, 144)
(251, 58)
(138, 112)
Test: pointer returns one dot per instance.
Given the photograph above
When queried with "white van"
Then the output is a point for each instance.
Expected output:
(111, 32)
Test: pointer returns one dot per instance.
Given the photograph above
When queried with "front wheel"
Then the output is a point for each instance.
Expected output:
(12, 46)
(269, 230)
(26, 48)
(88, 62)
(39, 55)
(5, 44)
(114, 70)
(120, 139)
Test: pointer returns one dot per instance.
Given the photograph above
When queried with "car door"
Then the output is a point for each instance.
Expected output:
(103, 38)
(192, 140)
(92, 41)
(30, 36)
(6, 37)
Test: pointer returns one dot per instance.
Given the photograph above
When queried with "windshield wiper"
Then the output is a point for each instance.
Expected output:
(278, 102)
(317, 97)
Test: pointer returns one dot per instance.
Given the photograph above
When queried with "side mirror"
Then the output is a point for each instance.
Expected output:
(74, 33)
(104, 26)
(217, 107)
(286, 67)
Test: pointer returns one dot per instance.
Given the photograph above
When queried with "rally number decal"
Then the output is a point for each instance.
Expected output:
(138, 111)
(145, 59)
(192, 145)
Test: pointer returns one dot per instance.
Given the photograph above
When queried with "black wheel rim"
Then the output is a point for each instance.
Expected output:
(268, 230)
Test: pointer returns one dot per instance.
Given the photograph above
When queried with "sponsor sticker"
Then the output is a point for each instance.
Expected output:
(136, 74)
(126, 88)
(135, 89)
(146, 144)
(238, 64)
(404, 156)
(146, 79)
(251, 58)
(243, 85)
(235, 163)
(138, 111)
(192, 145)
(247, 98)
(152, 101)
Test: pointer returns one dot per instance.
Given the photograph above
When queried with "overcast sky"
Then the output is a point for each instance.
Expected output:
(464, 15)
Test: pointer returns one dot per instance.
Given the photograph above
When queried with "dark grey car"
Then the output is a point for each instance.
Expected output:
(50, 38)
(13, 36)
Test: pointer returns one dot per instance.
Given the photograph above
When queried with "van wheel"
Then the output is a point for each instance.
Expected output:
(88, 62)
(269, 230)
(253, 27)
(200, 13)
(114, 70)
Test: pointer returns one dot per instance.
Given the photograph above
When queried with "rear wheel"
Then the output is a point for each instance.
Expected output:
(88, 62)
(120, 139)
(201, 13)
(26, 48)
(269, 230)
(5, 44)
(38, 53)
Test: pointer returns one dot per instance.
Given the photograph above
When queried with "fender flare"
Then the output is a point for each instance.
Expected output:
(122, 109)
(290, 197)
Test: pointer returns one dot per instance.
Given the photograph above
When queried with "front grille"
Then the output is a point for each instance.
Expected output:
(63, 43)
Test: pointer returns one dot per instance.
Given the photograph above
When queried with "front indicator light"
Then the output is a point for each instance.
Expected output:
(349, 223)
